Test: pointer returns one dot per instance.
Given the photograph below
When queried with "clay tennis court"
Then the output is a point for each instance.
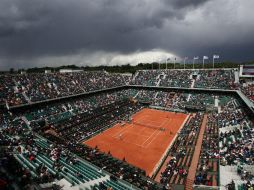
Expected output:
(144, 141)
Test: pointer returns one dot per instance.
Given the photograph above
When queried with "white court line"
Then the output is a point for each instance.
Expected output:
(144, 116)
(126, 127)
(142, 130)
(138, 113)
(154, 137)
(122, 131)
(170, 145)
(116, 136)
(149, 137)
(131, 133)
(132, 143)
(139, 134)
(154, 132)
(119, 132)
(165, 121)
(152, 122)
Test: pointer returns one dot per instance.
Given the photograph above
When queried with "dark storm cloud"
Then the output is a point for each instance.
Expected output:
(57, 27)
(5, 32)
(32, 30)
(186, 3)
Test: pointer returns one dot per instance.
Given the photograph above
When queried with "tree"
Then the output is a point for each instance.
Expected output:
(12, 70)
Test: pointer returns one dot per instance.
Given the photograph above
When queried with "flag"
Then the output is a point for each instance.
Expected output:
(175, 58)
(196, 58)
(216, 56)
(168, 59)
(205, 57)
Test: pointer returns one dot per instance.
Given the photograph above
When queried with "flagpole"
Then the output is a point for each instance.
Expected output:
(193, 63)
(175, 63)
(166, 63)
(203, 63)
(213, 61)
(184, 63)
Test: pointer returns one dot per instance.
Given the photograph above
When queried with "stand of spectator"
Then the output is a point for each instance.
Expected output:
(200, 100)
(217, 79)
(13, 175)
(176, 100)
(82, 126)
(248, 90)
(208, 168)
(176, 78)
(237, 146)
(146, 78)
(181, 153)
(20, 89)
(246, 186)
(231, 114)
(57, 111)
(9, 92)
(69, 121)
(25, 88)
(244, 174)
(44, 160)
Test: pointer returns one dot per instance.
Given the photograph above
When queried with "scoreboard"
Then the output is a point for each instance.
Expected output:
(248, 70)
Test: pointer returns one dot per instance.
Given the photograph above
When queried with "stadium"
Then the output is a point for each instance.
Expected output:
(156, 129)
(126, 95)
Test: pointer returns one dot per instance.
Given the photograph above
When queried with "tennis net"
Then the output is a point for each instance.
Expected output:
(149, 126)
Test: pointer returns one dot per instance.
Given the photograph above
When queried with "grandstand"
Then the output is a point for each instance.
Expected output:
(183, 129)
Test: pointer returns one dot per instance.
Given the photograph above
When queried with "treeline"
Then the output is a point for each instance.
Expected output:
(132, 69)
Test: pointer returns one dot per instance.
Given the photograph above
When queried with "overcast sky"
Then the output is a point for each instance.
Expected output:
(94, 32)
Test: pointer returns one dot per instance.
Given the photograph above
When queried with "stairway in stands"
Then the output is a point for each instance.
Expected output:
(23, 93)
(195, 158)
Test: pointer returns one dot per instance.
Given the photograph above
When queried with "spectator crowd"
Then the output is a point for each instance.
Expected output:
(41, 143)
(25, 88)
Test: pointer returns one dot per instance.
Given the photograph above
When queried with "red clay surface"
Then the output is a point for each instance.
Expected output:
(141, 146)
